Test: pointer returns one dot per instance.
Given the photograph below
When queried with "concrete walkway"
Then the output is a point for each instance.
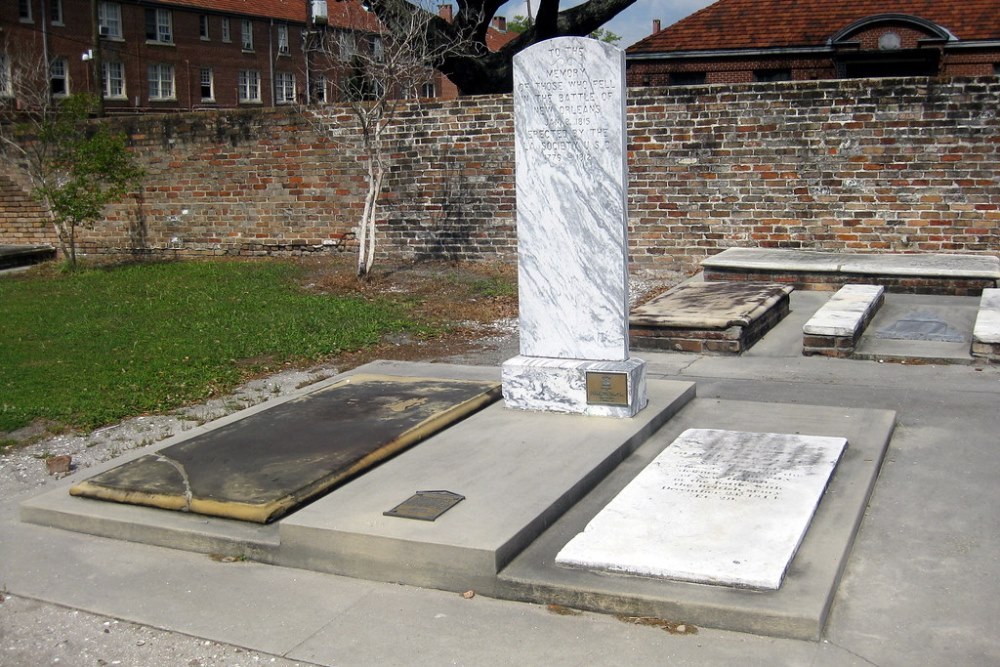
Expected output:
(920, 588)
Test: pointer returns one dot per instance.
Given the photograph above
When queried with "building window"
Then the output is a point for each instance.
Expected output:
(284, 88)
(56, 12)
(207, 85)
(24, 11)
(6, 85)
(428, 90)
(226, 35)
(687, 78)
(59, 77)
(109, 19)
(246, 34)
(346, 45)
(159, 26)
(318, 89)
(377, 50)
(283, 39)
(161, 82)
(203, 26)
(769, 75)
(113, 80)
(249, 90)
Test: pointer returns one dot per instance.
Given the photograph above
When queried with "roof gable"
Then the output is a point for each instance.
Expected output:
(762, 24)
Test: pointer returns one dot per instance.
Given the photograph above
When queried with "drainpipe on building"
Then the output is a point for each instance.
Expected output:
(270, 60)
(45, 37)
(96, 61)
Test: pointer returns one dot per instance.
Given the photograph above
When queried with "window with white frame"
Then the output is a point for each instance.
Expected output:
(428, 90)
(56, 12)
(283, 39)
(249, 85)
(109, 19)
(6, 84)
(284, 87)
(226, 34)
(378, 50)
(161, 82)
(246, 34)
(203, 26)
(159, 26)
(318, 89)
(113, 79)
(24, 11)
(347, 45)
(59, 77)
(207, 80)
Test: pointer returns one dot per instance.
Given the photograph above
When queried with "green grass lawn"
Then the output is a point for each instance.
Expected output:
(94, 346)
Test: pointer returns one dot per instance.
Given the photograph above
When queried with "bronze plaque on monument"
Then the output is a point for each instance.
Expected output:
(425, 505)
(607, 389)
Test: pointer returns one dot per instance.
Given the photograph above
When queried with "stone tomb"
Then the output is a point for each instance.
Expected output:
(715, 507)
(569, 123)
(709, 318)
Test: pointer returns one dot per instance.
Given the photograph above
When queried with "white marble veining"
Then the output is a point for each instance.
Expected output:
(560, 385)
(569, 126)
(715, 507)
(845, 311)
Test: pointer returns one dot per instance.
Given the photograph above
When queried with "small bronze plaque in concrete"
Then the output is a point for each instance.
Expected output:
(425, 505)
(607, 389)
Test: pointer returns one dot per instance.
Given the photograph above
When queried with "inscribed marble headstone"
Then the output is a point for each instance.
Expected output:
(715, 507)
(570, 151)
(569, 125)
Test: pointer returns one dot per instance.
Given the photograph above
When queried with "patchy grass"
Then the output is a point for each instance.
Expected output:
(94, 346)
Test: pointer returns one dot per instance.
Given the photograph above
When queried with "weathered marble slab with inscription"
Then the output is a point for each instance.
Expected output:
(715, 507)
(570, 152)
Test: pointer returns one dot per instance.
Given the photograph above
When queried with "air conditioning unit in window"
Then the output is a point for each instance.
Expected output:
(247, 46)
(104, 31)
(283, 49)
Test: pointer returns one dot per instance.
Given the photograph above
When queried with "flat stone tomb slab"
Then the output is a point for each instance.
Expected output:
(727, 317)
(715, 507)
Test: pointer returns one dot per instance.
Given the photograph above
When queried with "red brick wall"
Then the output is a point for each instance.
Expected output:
(862, 166)
(22, 219)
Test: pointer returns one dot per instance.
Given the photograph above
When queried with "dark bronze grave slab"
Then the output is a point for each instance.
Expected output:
(425, 505)
(261, 467)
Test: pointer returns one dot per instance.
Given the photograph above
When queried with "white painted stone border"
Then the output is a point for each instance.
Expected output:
(846, 312)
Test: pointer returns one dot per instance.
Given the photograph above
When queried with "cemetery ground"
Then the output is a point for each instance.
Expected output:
(919, 587)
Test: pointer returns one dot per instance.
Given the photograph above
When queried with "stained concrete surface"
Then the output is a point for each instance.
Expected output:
(920, 587)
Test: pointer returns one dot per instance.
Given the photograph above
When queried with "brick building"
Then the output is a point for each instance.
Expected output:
(739, 41)
(184, 55)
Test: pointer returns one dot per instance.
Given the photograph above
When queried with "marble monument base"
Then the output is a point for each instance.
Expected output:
(575, 386)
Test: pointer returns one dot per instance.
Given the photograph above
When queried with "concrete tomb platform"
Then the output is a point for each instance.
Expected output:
(518, 471)
(921, 328)
(835, 328)
(799, 608)
(714, 507)
(709, 317)
(916, 273)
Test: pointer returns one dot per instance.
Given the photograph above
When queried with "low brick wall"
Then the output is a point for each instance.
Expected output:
(888, 165)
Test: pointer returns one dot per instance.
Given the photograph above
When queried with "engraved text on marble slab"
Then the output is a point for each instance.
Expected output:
(715, 507)
(569, 119)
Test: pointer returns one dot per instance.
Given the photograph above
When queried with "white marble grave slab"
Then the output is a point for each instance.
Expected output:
(715, 507)
(569, 128)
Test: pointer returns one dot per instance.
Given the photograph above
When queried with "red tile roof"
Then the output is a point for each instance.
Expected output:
(285, 10)
(760, 24)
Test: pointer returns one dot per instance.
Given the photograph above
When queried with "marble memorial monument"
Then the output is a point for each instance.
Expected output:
(570, 153)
